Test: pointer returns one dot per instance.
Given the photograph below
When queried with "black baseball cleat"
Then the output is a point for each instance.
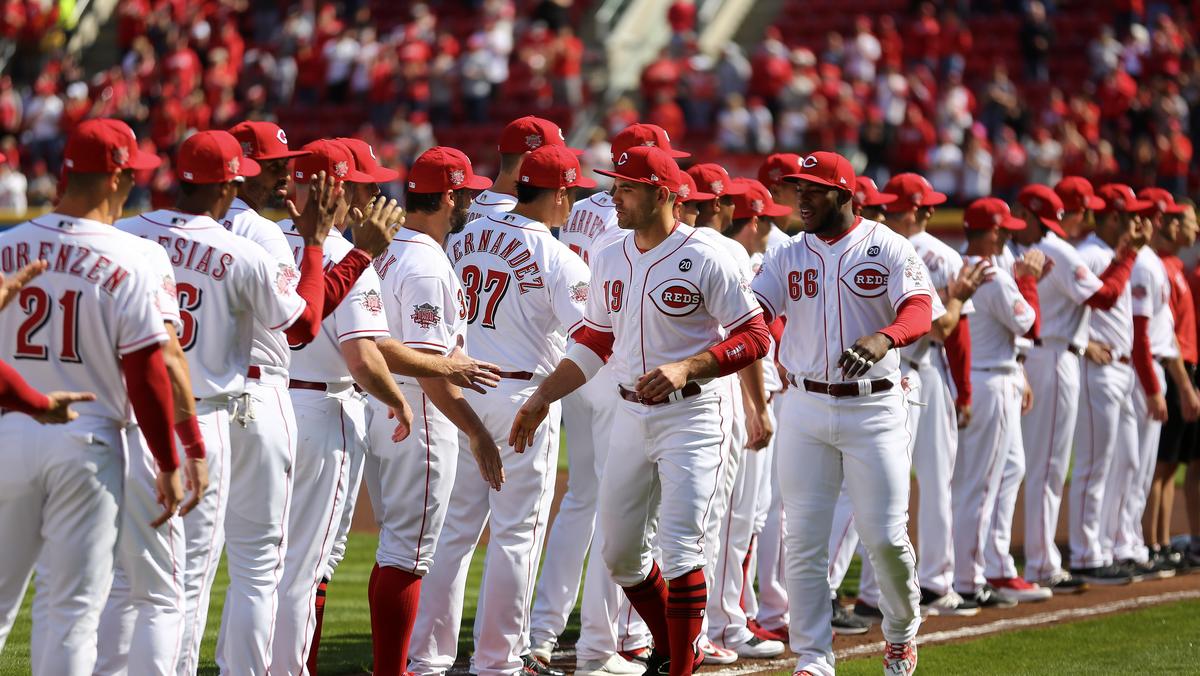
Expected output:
(846, 623)
(659, 664)
(868, 612)
(1063, 582)
(1103, 575)
(535, 667)
(987, 597)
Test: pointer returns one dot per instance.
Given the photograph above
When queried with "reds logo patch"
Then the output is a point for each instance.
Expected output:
(914, 269)
(457, 176)
(233, 165)
(1020, 308)
(579, 292)
(120, 156)
(371, 302)
(168, 287)
(286, 278)
(426, 316)
(866, 279)
(340, 169)
(718, 187)
(1139, 292)
(676, 297)
(685, 191)
(1081, 273)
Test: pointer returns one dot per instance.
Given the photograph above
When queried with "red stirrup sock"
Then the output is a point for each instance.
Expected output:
(315, 645)
(394, 594)
(649, 599)
(687, 595)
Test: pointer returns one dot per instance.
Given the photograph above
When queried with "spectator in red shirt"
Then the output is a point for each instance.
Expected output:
(914, 139)
(770, 70)
(310, 73)
(1174, 158)
(661, 76)
(667, 114)
(925, 32)
(182, 66)
(568, 68)
(1011, 165)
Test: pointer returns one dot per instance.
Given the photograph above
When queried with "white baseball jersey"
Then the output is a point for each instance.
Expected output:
(96, 302)
(1150, 296)
(425, 305)
(359, 315)
(776, 237)
(165, 294)
(1001, 316)
(833, 293)
(666, 304)
(1113, 327)
(591, 225)
(268, 348)
(525, 291)
(943, 264)
(227, 287)
(1063, 290)
(488, 203)
(772, 381)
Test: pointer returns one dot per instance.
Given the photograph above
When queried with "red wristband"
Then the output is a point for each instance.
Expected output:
(189, 435)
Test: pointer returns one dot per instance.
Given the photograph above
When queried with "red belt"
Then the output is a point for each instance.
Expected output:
(309, 385)
(689, 390)
(516, 375)
(847, 389)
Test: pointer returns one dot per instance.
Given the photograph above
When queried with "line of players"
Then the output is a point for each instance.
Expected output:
(291, 369)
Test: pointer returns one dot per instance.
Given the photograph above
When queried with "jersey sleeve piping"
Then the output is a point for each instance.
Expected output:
(743, 319)
(290, 320)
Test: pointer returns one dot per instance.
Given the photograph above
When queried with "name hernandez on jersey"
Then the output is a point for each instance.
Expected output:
(359, 315)
(666, 304)
(97, 302)
(838, 292)
(498, 255)
(226, 286)
(423, 300)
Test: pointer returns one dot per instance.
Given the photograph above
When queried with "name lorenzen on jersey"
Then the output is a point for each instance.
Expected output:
(514, 253)
(68, 259)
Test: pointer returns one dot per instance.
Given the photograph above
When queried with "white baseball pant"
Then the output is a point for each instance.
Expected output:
(997, 555)
(263, 436)
(979, 469)
(1129, 542)
(934, 450)
(60, 500)
(347, 501)
(772, 588)
(517, 514)
(728, 533)
(824, 440)
(142, 625)
(329, 424)
(1048, 429)
(1105, 392)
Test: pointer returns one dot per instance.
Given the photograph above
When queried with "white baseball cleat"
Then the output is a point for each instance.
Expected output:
(615, 665)
(543, 651)
(900, 659)
(759, 648)
(715, 655)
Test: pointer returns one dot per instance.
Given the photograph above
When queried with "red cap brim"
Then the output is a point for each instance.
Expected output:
(819, 181)
(288, 155)
(933, 199)
(678, 154)
(776, 210)
(583, 182)
(1054, 226)
(1012, 223)
(384, 175)
(477, 182)
(613, 174)
(248, 168)
(880, 200)
(1094, 203)
(142, 160)
(699, 197)
(737, 189)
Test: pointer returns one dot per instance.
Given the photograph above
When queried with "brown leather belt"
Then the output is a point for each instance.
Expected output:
(1124, 360)
(316, 387)
(847, 389)
(254, 372)
(688, 390)
(516, 375)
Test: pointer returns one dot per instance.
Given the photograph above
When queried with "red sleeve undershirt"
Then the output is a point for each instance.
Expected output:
(914, 317)
(150, 395)
(1115, 277)
(1027, 285)
(18, 395)
(745, 345)
(342, 276)
(312, 289)
(958, 353)
(1143, 361)
(600, 342)
(190, 438)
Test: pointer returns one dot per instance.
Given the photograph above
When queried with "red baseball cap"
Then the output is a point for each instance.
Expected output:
(1077, 194)
(866, 193)
(755, 200)
(912, 191)
(1044, 203)
(1158, 199)
(986, 213)
(646, 164)
(331, 157)
(1121, 198)
(440, 169)
(777, 166)
(213, 157)
(364, 157)
(688, 192)
(825, 168)
(644, 135)
(101, 146)
(263, 141)
(529, 133)
(715, 179)
(553, 166)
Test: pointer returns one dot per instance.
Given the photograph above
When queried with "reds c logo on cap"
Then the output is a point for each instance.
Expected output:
(810, 162)
(625, 157)
(281, 136)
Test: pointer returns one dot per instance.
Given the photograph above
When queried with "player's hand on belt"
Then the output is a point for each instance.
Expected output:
(659, 383)
(864, 354)
(1026, 398)
(10, 286)
(967, 281)
(487, 456)
(1032, 262)
(963, 411)
(376, 225)
(170, 494)
(525, 423)
(60, 407)
(325, 198)
(1156, 407)
(195, 471)
(403, 418)
(471, 373)
(758, 429)
(1098, 353)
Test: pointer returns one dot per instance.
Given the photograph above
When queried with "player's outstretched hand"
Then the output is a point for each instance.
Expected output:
(403, 418)
(487, 456)
(963, 412)
(195, 471)
(525, 423)
(967, 281)
(170, 494)
(1033, 262)
(471, 373)
(60, 407)
(10, 286)
(659, 383)
(1156, 407)
(863, 355)
(758, 430)
(376, 225)
(325, 199)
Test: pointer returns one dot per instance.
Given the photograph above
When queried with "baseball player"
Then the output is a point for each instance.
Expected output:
(1079, 202)
(427, 311)
(60, 507)
(1004, 311)
(331, 415)
(668, 431)
(846, 419)
(517, 323)
(519, 138)
(784, 193)
(1065, 292)
(1106, 426)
